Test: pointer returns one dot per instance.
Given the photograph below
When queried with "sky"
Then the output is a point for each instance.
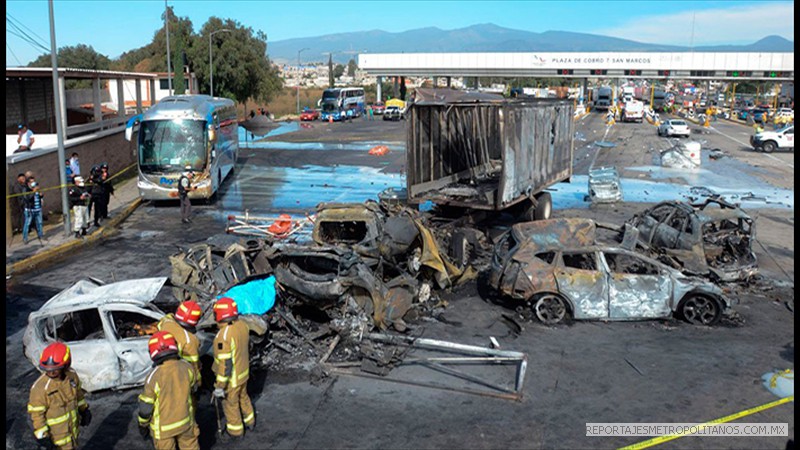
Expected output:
(114, 27)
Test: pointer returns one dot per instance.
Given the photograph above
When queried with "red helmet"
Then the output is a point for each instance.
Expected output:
(225, 308)
(54, 357)
(189, 313)
(161, 343)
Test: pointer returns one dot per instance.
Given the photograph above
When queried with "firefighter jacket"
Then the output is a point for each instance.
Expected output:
(188, 343)
(232, 355)
(166, 403)
(55, 406)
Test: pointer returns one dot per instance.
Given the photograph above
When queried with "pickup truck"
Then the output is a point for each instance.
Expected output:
(769, 141)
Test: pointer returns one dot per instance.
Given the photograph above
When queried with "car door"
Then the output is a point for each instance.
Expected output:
(93, 357)
(787, 138)
(581, 280)
(637, 288)
(130, 328)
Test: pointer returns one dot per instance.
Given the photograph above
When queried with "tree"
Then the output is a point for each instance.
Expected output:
(76, 57)
(351, 68)
(338, 71)
(331, 78)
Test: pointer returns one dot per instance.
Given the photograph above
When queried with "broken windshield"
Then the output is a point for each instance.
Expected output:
(170, 145)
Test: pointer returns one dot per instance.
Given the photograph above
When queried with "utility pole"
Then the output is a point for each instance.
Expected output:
(59, 128)
(299, 76)
(169, 66)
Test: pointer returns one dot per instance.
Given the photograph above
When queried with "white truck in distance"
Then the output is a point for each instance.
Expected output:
(633, 111)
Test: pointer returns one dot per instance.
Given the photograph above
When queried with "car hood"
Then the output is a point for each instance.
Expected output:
(90, 293)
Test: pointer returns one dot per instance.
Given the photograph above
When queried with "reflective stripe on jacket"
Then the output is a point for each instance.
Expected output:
(188, 343)
(55, 407)
(166, 403)
(232, 355)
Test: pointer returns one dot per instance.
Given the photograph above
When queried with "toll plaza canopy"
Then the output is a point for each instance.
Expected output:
(712, 66)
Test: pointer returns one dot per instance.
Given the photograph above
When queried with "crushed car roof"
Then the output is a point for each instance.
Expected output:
(556, 233)
(90, 293)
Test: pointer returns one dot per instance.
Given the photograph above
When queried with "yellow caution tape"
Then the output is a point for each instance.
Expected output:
(773, 381)
(67, 185)
(666, 438)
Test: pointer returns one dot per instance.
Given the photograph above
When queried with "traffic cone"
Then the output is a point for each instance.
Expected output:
(330, 119)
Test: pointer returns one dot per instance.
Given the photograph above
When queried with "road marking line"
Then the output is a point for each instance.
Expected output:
(747, 144)
(661, 439)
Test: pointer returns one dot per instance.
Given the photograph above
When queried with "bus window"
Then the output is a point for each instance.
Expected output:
(169, 145)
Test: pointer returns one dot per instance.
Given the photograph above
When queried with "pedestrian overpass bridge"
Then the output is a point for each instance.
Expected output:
(649, 65)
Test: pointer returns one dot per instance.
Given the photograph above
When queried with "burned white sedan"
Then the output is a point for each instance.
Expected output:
(106, 327)
(553, 269)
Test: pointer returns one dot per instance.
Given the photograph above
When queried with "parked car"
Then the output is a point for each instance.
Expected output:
(712, 239)
(106, 327)
(393, 113)
(769, 141)
(378, 108)
(673, 127)
(309, 114)
(556, 271)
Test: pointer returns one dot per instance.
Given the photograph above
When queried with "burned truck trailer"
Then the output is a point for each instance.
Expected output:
(479, 152)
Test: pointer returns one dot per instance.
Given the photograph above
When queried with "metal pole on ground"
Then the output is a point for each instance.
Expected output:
(298, 77)
(59, 128)
(169, 65)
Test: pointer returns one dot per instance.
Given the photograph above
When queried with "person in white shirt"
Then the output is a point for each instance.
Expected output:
(25, 138)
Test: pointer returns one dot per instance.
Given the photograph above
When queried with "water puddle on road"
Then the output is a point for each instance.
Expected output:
(572, 195)
(354, 146)
(247, 137)
(274, 190)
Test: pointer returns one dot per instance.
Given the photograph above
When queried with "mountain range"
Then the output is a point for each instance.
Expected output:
(482, 38)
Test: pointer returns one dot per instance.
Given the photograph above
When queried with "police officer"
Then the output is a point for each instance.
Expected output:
(165, 408)
(181, 326)
(56, 402)
(232, 368)
(184, 186)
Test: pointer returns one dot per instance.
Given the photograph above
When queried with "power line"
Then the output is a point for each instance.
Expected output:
(16, 25)
(13, 54)
(41, 40)
(17, 31)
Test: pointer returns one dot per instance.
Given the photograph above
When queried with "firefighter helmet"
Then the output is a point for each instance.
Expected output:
(188, 313)
(162, 344)
(225, 308)
(54, 357)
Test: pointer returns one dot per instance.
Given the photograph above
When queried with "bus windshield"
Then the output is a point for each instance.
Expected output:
(170, 145)
(328, 106)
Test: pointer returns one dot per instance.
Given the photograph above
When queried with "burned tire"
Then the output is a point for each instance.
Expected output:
(550, 309)
(699, 309)
(544, 208)
(769, 147)
(460, 249)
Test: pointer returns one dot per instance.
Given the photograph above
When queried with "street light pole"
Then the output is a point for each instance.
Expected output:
(169, 65)
(210, 58)
(298, 77)
(59, 126)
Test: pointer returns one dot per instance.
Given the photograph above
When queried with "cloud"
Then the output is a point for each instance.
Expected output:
(734, 25)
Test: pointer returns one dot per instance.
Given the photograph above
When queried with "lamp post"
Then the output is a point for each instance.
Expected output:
(166, 31)
(298, 77)
(210, 58)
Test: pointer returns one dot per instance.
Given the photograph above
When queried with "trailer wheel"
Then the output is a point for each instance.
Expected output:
(544, 208)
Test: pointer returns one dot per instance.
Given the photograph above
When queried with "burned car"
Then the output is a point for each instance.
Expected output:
(713, 239)
(604, 185)
(106, 327)
(556, 270)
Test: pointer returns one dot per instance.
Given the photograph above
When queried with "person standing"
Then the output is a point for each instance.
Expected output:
(32, 211)
(165, 406)
(370, 112)
(232, 368)
(57, 405)
(25, 138)
(181, 325)
(68, 170)
(75, 165)
(18, 190)
(78, 198)
(184, 187)
(108, 189)
(97, 191)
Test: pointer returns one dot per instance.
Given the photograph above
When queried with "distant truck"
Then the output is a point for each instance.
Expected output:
(480, 153)
(603, 99)
(633, 111)
(627, 94)
(659, 100)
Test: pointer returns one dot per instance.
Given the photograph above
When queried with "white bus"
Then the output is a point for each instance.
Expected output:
(337, 102)
(195, 130)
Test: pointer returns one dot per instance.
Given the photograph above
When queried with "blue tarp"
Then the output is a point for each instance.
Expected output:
(253, 297)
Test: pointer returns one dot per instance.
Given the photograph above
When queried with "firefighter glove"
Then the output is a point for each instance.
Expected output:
(86, 417)
(219, 393)
(45, 443)
(144, 431)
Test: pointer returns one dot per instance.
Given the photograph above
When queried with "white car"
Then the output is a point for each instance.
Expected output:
(674, 127)
(106, 327)
(769, 141)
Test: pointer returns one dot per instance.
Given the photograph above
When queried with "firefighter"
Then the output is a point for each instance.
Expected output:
(165, 405)
(182, 327)
(232, 368)
(57, 405)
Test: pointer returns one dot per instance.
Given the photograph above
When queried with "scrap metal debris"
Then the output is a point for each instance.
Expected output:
(604, 185)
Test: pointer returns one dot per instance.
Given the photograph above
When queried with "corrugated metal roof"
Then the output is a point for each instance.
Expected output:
(67, 72)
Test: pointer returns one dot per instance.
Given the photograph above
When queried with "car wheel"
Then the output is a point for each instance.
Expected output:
(700, 309)
(769, 147)
(544, 207)
(550, 309)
